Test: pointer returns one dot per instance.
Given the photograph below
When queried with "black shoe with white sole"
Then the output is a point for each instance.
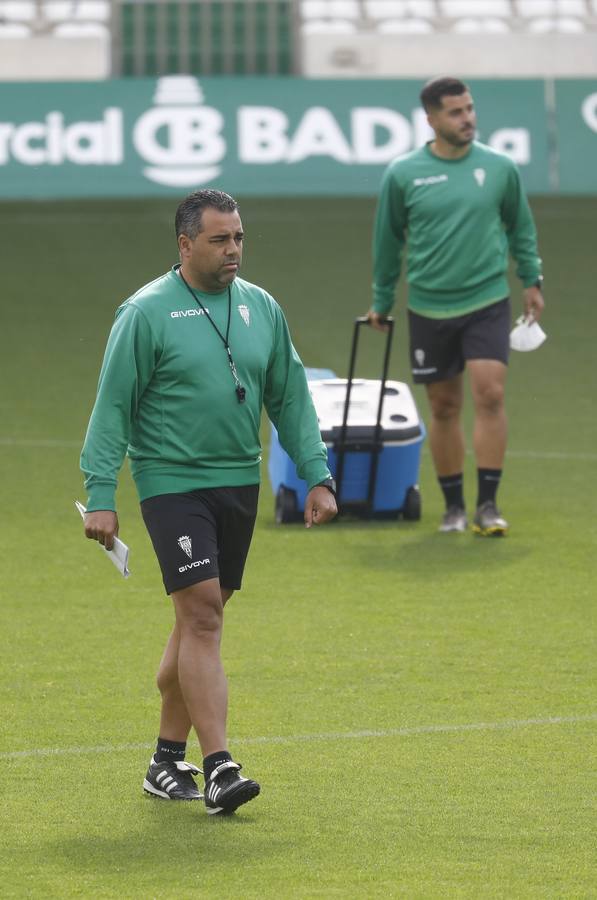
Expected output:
(172, 780)
(226, 790)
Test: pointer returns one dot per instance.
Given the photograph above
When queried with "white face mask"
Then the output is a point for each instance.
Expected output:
(526, 335)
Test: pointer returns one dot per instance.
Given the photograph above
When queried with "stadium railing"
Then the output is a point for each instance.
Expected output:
(203, 37)
(151, 37)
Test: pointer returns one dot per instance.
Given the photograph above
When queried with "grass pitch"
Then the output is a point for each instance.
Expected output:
(419, 708)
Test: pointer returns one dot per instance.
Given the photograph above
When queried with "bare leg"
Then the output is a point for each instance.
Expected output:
(490, 434)
(446, 437)
(175, 721)
(201, 678)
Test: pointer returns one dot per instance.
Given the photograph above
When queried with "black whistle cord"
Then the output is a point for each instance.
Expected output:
(240, 390)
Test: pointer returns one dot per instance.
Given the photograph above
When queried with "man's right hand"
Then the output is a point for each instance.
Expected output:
(377, 321)
(102, 526)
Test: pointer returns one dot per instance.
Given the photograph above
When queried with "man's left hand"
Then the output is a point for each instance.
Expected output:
(320, 506)
(533, 303)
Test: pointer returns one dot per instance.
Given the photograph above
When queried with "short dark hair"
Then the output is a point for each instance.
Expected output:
(438, 88)
(188, 215)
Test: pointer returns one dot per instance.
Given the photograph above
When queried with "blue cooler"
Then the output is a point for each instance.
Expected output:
(400, 437)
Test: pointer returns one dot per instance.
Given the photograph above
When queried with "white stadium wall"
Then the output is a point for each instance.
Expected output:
(51, 58)
(45, 58)
(421, 56)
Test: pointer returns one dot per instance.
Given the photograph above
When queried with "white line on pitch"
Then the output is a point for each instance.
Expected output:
(507, 725)
(548, 454)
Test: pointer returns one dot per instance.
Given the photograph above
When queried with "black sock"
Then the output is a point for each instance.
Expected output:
(489, 480)
(170, 751)
(451, 485)
(214, 759)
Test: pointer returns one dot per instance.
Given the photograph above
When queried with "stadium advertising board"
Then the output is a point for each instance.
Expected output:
(576, 105)
(251, 136)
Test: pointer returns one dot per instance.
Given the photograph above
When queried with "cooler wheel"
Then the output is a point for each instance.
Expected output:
(286, 506)
(412, 504)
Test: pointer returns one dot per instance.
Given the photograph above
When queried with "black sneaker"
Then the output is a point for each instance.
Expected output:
(225, 789)
(172, 780)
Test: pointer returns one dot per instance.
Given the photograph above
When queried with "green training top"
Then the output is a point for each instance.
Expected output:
(459, 217)
(166, 394)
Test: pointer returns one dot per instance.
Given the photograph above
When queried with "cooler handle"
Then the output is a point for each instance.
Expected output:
(341, 445)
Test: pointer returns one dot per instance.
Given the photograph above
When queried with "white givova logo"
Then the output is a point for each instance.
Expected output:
(420, 357)
(244, 311)
(480, 176)
(184, 542)
(180, 137)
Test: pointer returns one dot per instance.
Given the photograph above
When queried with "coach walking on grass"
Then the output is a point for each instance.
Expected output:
(191, 359)
(459, 205)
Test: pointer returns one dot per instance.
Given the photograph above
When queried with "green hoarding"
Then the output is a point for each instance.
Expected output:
(576, 128)
(267, 136)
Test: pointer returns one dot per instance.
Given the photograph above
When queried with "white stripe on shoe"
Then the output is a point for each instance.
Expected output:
(213, 791)
(151, 789)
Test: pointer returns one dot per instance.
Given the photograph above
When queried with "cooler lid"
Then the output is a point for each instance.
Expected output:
(399, 419)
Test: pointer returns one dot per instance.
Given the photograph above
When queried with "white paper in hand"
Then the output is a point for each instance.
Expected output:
(119, 554)
(526, 335)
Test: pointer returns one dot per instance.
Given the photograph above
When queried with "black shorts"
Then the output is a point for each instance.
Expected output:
(439, 348)
(202, 534)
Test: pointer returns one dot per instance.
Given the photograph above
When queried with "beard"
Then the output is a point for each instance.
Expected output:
(458, 138)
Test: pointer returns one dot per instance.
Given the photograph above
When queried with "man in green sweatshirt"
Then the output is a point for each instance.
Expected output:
(460, 206)
(191, 360)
